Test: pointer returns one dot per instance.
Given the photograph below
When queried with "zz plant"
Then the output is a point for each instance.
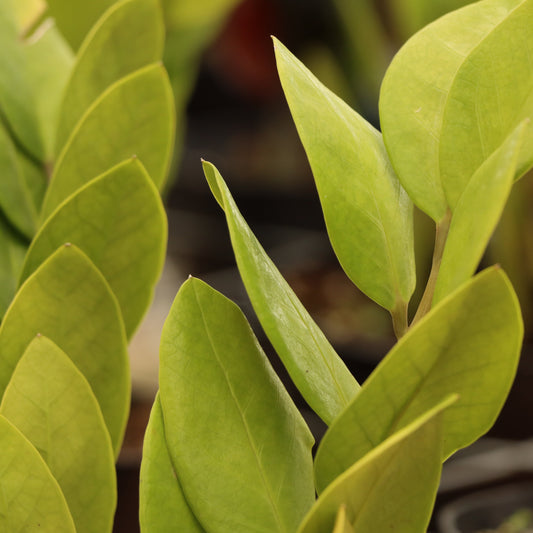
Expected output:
(226, 449)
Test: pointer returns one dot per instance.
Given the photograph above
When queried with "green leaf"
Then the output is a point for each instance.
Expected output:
(393, 487)
(49, 61)
(468, 344)
(12, 252)
(15, 198)
(368, 214)
(453, 94)
(68, 300)
(477, 214)
(17, 103)
(31, 498)
(318, 372)
(163, 506)
(134, 116)
(108, 54)
(50, 402)
(76, 18)
(119, 221)
(240, 447)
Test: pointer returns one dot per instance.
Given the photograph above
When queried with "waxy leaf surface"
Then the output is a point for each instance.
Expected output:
(118, 220)
(163, 506)
(133, 117)
(31, 498)
(319, 373)
(368, 214)
(109, 53)
(469, 344)
(453, 94)
(68, 300)
(477, 214)
(392, 488)
(220, 396)
(50, 402)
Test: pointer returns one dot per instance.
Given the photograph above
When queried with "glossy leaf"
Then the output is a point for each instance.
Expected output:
(31, 498)
(50, 402)
(132, 117)
(393, 487)
(469, 344)
(476, 215)
(119, 221)
(76, 17)
(368, 214)
(108, 54)
(318, 372)
(15, 198)
(68, 300)
(220, 396)
(453, 94)
(162, 503)
(12, 252)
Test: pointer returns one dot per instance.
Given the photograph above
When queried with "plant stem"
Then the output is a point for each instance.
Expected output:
(441, 235)
(399, 319)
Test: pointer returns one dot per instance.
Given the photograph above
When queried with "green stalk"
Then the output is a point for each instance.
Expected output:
(441, 235)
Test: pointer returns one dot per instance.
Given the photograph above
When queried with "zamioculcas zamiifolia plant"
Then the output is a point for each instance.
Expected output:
(226, 450)
(86, 137)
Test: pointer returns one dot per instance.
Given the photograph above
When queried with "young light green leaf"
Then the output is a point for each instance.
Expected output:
(76, 17)
(15, 198)
(469, 344)
(477, 214)
(50, 402)
(68, 300)
(143, 101)
(108, 54)
(368, 214)
(319, 373)
(452, 95)
(162, 504)
(125, 237)
(220, 395)
(393, 487)
(31, 498)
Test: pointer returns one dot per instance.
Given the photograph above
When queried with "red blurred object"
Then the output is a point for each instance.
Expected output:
(243, 55)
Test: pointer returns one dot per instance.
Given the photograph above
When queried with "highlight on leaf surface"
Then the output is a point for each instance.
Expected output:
(469, 344)
(319, 373)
